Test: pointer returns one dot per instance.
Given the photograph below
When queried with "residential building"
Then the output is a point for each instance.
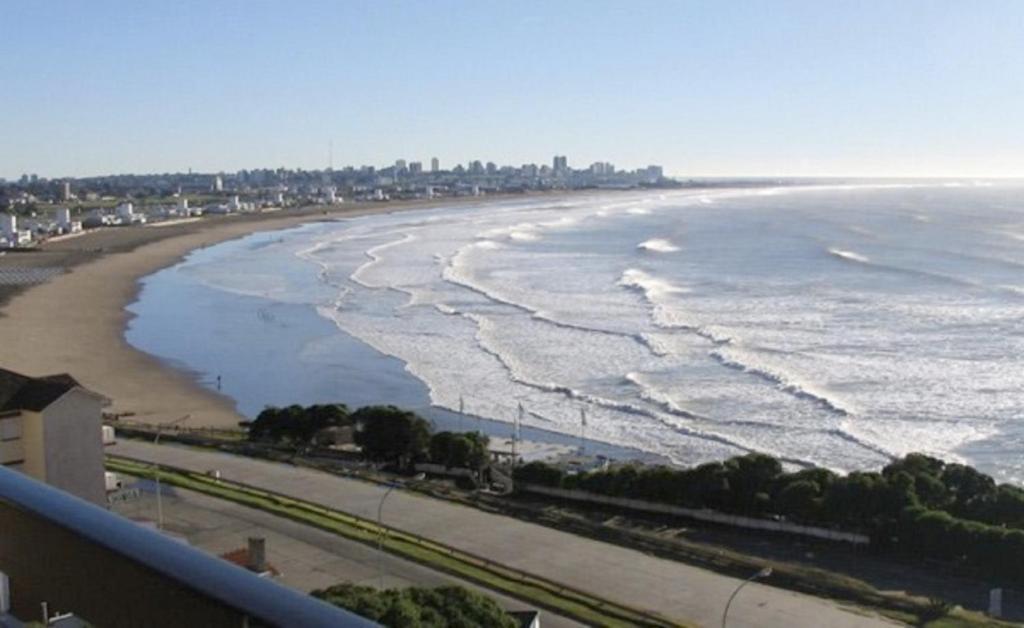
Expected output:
(51, 429)
(560, 164)
(435, 164)
(64, 222)
(10, 233)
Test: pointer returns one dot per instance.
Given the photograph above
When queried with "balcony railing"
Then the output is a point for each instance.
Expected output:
(80, 558)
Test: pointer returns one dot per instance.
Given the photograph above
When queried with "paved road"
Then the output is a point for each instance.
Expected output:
(668, 587)
(307, 558)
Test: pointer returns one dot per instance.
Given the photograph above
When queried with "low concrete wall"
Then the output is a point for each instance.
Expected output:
(699, 514)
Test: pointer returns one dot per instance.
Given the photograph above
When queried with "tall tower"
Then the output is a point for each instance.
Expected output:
(435, 165)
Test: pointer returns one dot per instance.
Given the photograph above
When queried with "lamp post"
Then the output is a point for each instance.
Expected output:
(156, 467)
(764, 573)
(380, 525)
(380, 536)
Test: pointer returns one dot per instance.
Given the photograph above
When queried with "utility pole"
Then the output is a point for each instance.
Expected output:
(583, 430)
(515, 433)
(462, 411)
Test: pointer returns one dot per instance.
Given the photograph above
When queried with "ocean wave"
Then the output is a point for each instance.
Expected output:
(658, 245)
(931, 275)
(849, 255)
(452, 274)
(594, 400)
(785, 382)
(648, 284)
(375, 259)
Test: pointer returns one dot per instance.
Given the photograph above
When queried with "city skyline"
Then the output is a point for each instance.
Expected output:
(760, 89)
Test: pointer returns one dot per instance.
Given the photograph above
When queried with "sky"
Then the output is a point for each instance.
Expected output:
(712, 88)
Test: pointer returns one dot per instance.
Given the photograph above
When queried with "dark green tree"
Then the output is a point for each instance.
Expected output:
(388, 434)
(443, 607)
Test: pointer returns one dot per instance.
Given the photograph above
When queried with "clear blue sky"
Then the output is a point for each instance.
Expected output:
(902, 87)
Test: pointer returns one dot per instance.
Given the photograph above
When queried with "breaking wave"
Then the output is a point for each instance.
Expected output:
(658, 245)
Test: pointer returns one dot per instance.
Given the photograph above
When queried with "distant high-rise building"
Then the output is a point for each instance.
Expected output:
(435, 165)
(560, 163)
(399, 165)
(415, 167)
(218, 184)
(65, 191)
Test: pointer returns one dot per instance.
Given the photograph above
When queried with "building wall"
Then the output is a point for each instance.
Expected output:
(12, 449)
(47, 563)
(32, 445)
(73, 433)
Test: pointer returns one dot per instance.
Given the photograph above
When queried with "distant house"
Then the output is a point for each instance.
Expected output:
(51, 429)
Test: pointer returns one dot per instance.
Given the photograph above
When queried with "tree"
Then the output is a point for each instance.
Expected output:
(389, 434)
(800, 499)
(539, 473)
(297, 424)
(459, 449)
(442, 607)
(750, 480)
(968, 490)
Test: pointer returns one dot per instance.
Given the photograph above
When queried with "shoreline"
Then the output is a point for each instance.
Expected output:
(76, 321)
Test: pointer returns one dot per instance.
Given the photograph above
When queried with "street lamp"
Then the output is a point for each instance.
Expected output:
(380, 525)
(156, 467)
(764, 573)
(380, 532)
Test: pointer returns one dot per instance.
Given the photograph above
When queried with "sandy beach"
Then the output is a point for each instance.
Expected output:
(75, 322)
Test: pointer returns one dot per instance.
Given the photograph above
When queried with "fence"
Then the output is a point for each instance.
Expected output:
(699, 514)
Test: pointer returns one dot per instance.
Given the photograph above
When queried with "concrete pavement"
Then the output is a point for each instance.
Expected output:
(306, 557)
(671, 588)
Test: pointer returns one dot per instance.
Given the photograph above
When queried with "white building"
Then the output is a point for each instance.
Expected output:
(64, 222)
(51, 430)
(183, 207)
(10, 233)
(218, 184)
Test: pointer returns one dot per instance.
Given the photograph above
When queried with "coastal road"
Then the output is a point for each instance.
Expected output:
(671, 588)
(306, 558)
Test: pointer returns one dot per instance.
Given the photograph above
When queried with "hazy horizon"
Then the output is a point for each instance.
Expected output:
(759, 89)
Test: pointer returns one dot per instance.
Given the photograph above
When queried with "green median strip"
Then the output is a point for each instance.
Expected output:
(535, 590)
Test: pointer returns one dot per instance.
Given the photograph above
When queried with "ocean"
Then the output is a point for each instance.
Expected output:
(830, 325)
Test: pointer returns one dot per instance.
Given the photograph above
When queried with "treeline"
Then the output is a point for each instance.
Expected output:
(443, 607)
(916, 504)
(384, 434)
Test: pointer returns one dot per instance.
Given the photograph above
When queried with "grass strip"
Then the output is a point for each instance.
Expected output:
(544, 593)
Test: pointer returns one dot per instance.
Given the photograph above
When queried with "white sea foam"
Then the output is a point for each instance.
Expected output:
(658, 245)
(849, 255)
(719, 348)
